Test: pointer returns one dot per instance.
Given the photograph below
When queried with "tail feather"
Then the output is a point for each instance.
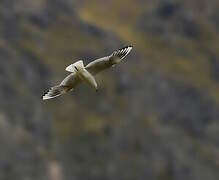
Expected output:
(54, 92)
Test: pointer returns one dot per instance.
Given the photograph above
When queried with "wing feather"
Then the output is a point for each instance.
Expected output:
(72, 80)
(69, 83)
(103, 63)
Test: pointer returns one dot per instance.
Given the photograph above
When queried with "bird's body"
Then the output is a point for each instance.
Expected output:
(79, 73)
(84, 75)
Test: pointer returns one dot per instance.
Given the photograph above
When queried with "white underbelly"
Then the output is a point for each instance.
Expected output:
(87, 77)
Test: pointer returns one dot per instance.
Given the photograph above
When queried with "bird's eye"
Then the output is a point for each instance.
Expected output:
(76, 68)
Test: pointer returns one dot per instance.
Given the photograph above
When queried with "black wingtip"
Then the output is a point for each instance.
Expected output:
(126, 47)
(43, 94)
(46, 92)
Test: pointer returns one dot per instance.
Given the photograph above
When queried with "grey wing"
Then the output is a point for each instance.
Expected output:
(98, 65)
(101, 64)
(71, 81)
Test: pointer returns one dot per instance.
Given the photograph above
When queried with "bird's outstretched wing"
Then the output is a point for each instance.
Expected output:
(101, 64)
(68, 84)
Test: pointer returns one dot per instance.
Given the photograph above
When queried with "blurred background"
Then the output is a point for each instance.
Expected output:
(155, 115)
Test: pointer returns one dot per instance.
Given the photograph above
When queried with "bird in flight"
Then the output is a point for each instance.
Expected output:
(80, 73)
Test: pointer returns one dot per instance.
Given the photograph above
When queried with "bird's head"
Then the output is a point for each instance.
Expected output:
(76, 68)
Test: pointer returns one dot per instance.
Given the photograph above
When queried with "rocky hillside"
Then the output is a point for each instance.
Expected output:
(155, 115)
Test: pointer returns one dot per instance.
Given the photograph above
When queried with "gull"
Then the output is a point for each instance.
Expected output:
(81, 73)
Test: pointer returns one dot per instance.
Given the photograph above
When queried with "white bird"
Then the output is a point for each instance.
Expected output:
(80, 73)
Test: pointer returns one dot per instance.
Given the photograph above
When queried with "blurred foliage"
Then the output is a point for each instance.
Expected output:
(155, 115)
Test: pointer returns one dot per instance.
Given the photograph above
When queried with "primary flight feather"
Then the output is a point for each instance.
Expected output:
(80, 73)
